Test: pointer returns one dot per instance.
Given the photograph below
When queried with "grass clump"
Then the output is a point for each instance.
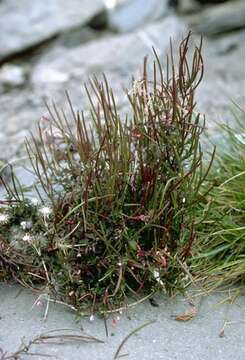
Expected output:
(222, 249)
(118, 197)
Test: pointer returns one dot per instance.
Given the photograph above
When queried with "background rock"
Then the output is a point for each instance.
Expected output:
(68, 61)
(204, 2)
(188, 6)
(96, 57)
(61, 68)
(219, 19)
(129, 15)
(27, 23)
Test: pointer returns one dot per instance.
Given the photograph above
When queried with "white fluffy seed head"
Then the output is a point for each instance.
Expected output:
(156, 275)
(34, 201)
(26, 225)
(4, 219)
(46, 211)
(27, 238)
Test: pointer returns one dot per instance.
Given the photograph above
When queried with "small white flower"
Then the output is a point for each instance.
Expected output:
(23, 225)
(4, 219)
(119, 264)
(156, 275)
(183, 200)
(27, 238)
(34, 201)
(46, 211)
(91, 318)
(26, 225)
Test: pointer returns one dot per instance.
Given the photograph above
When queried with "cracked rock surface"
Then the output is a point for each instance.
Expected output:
(57, 47)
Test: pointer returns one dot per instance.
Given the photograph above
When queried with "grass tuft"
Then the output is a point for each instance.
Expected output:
(222, 236)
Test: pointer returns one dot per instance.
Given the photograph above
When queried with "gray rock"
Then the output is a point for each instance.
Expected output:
(25, 176)
(21, 319)
(131, 14)
(20, 111)
(5, 174)
(27, 23)
(224, 80)
(219, 19)
(224, 62)
(228, 43)
(188, 6)
(96, 57)
(61, 68)
(205, 2)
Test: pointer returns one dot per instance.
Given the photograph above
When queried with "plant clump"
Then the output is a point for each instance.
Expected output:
(117, 199)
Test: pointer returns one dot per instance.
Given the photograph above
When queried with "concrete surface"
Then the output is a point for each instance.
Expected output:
(197, 339)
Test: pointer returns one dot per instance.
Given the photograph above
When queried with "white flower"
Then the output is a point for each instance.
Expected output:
(46, 211)
(27, 238)
(91, 318)
(26, 225)
(34, 201)
(183, 200)
(23, 225)
(156, 275)
(4, 219)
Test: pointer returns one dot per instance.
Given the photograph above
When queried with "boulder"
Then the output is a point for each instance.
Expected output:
(27, 23)
(220, 19)
(131, 14)
(204, 2)
(224, 80)
(187, 6)
(117, 56)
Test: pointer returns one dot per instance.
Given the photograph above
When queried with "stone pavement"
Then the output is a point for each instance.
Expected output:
(198, 339)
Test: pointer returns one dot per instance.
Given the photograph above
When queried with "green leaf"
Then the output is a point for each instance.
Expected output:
(133, 244)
